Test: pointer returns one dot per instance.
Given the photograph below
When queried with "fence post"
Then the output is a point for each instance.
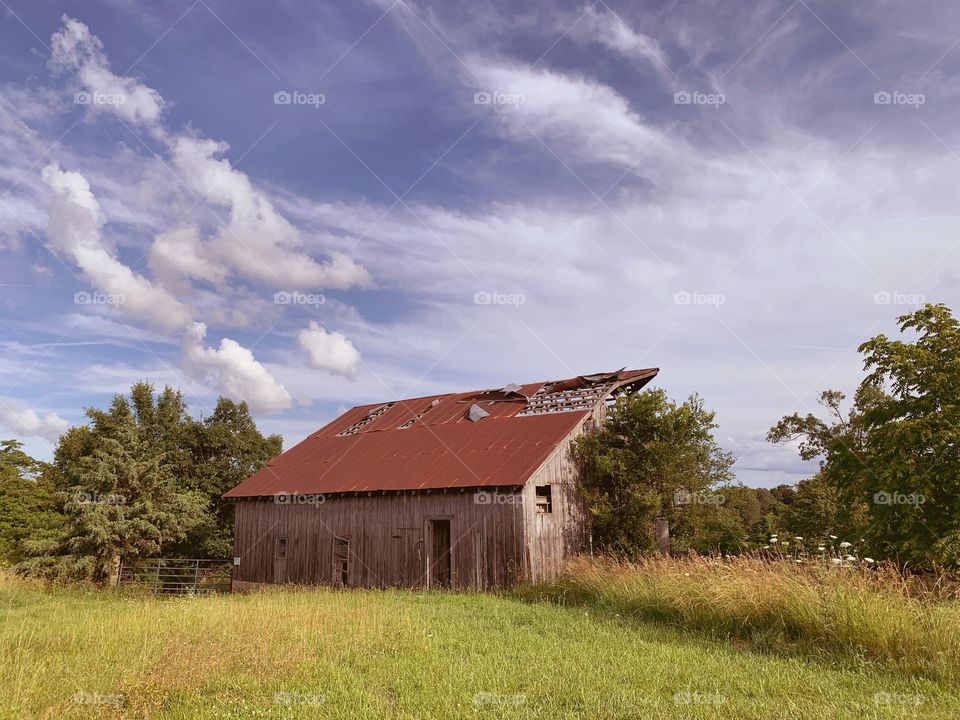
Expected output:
(156, 577)
(196, 573)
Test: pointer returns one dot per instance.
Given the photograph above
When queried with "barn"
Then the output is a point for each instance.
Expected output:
(467, 490)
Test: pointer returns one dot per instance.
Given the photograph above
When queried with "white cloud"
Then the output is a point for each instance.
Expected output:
(569, 112)
(233, 370)
(26, 422)
(607, 28)
(180, 254)
(330, 351)
(74, 48)
(257, 241)
(75, 229)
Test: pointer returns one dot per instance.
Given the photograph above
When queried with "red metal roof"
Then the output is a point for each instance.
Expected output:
(442, 448)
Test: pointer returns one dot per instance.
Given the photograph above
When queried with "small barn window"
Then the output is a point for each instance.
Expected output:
(341, 565)
(544, 496)
(281, 548)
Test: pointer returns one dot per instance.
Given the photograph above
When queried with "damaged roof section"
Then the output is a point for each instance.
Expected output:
(459, 440)
(584, 391)
(477, 413)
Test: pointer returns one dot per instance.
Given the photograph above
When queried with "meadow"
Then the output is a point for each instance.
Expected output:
(661, 639)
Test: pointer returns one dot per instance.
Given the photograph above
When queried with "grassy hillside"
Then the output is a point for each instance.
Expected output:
(368, 654)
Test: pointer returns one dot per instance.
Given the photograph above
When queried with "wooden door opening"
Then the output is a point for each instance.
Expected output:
(280, 561)
(341, 561)
(439, 574)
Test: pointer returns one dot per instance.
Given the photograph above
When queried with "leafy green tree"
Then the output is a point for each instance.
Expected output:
(28, 503)
(894, 459)
(913, 480)
(813, 512)
(225, 449)
(142, 479)
(655, 459)
(841, 444)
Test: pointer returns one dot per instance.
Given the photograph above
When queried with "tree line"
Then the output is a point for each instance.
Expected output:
(888, 478)
(140, 479)
(143, 478)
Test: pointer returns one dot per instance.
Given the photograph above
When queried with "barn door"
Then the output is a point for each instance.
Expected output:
(280, 561)
(341, 562)
(439, 554)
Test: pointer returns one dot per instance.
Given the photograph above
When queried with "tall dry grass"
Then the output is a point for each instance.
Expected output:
(876, 614)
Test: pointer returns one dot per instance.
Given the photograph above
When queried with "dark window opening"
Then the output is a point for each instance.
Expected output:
(281, 548)
(544, 498)
(341, 565)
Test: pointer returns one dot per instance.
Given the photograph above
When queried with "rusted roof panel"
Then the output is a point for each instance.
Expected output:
(441, 448)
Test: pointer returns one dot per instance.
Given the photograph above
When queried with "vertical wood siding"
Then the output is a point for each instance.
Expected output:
(386, 535)
(552, 538)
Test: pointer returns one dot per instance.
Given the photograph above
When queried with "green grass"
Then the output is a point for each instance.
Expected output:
(837, 615)
(386, 654)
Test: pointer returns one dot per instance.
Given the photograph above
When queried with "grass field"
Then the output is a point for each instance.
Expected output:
(577, 648)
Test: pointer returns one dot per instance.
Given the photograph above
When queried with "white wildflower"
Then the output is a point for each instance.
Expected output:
(845, 545)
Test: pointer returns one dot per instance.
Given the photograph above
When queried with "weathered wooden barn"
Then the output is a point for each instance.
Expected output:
(467, 490)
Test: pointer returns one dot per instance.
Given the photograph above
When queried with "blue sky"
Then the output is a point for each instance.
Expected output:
(309, 206)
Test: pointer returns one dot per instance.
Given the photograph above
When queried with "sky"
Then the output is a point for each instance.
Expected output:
(311, 205)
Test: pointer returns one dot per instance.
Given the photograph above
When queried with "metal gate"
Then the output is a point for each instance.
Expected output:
(176, 576)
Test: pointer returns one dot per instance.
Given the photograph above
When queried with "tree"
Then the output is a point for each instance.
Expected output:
(914, 430)
(653, 458)
(814, 510)
(842, 445)
(893, 461)
(28, 503)
(225, 449)
(143, 479)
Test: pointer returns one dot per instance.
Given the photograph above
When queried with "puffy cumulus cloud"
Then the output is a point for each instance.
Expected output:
(233, 370)
(180, 254)
(75, 49)
(26, 422)
(257, 241)
(330, 351)
(74, 229)
(585, 117)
